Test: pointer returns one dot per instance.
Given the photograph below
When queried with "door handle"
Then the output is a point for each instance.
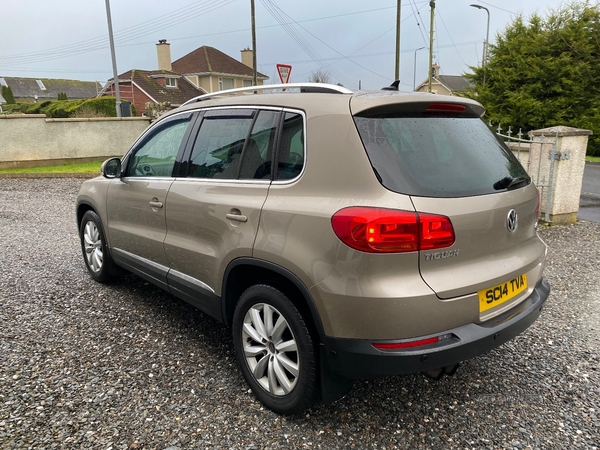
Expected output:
(236, 217)
(155, 204)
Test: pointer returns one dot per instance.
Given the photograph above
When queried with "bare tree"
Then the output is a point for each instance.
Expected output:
(319, 76)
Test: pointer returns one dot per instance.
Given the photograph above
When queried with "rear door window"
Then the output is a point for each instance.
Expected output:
(218, 148)
(434, 156)
(234, 144)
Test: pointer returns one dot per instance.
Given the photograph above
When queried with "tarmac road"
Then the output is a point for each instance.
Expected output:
(589, 203)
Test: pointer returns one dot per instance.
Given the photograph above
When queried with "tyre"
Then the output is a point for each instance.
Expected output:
(275, 350)
(95, 252)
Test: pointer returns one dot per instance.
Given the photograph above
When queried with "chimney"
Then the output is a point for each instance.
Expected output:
(435, 71)
(247, 57)
(163, 51)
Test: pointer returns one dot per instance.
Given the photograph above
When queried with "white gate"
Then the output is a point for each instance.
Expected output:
(537, 153)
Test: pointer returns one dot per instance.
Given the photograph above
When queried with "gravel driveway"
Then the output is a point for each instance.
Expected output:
(126, 366)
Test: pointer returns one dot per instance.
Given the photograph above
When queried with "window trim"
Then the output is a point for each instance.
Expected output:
(183, 174)
(291, 180)
(221, 79)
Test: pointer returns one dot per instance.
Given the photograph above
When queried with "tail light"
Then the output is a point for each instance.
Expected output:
(379, 230)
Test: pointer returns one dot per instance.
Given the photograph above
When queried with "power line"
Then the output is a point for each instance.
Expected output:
(280, 16)
(128, 34)
(451, 40)
(99, 43)
(330, 47)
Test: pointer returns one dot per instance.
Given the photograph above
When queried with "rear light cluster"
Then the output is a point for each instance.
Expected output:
(380, 230)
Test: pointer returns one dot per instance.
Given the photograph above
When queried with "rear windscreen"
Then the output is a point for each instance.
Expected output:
(433, 156)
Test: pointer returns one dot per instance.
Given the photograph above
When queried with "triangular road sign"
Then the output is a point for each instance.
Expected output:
(284, 70)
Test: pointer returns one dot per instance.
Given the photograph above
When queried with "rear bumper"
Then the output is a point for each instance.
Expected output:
(357, 358)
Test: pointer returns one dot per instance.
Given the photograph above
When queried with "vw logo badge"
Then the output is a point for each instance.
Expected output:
(512, 221)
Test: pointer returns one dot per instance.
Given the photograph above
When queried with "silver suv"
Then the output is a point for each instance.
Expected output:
(340, 234)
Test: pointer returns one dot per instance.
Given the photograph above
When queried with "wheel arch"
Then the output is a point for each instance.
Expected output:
(242, 273)
(81, 209)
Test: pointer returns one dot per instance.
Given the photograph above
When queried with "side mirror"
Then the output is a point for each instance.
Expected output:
(111, 168)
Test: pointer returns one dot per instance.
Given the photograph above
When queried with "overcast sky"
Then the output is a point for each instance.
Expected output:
(351, 39)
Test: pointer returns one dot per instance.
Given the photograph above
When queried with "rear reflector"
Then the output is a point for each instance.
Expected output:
(446, 107)
(409, 344)
(380, 230)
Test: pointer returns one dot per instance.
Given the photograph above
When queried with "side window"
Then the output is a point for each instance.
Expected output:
(257, 156)
(155, 157)
(291, 147)
(218, 148)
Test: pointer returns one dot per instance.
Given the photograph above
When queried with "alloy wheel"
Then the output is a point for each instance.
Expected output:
(270, 349)
(93, 246)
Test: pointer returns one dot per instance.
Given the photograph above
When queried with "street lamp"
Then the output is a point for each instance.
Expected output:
(487, 40)
(415, 68)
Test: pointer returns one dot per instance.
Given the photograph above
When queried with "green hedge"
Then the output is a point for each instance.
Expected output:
(56, 109)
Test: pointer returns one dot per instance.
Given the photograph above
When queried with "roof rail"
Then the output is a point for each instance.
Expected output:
(304, 87)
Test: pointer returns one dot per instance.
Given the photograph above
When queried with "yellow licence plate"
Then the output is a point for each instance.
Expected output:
(496, 295)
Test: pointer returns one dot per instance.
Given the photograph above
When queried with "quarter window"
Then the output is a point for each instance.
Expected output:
(155, 157)
(291, 147)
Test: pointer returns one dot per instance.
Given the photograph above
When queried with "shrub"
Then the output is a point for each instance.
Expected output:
(62, 96)
(60, 109)
(7, 93)
(86, 112)
(103, 105)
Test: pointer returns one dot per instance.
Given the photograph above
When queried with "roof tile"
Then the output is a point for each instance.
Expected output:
(207, 59)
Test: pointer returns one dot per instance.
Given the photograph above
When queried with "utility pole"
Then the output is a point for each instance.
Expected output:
(432, 5)
(114, 60)
(487, 41)
(254, 80)
(398, 15)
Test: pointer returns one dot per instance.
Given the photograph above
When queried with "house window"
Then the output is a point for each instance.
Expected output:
(171, 82)
(247, 83)
(41, 85)
(225, 83)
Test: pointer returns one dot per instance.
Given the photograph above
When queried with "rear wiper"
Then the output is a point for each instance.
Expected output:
(508, 182)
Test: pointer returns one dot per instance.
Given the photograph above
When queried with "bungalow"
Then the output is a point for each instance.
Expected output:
(39, 89)
(444, 84)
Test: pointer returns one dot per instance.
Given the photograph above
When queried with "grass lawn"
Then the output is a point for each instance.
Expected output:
(593, 159)
(89, 167)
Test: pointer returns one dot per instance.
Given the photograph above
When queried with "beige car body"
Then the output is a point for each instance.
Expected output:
(348, 294)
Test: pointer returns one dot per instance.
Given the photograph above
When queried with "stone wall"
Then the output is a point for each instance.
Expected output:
(27, 140)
